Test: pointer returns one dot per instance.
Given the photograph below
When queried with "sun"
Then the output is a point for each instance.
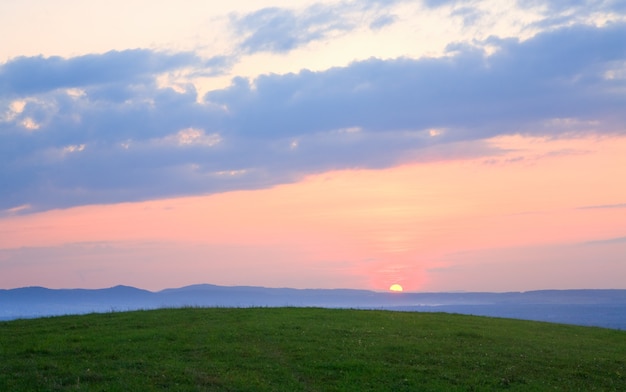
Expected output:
(395, 287)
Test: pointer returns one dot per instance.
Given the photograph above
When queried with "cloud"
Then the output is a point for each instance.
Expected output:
(558, 13)
(382, 21)
(441, 3)
(603, 206)
(32, 75)
(549, 7)
(574, 6)
(74, 136)
(547, 14)
(556, 75)
(281, 30)
(469, 15)
(617, 240)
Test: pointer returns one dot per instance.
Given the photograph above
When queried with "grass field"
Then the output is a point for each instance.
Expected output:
(305, 349)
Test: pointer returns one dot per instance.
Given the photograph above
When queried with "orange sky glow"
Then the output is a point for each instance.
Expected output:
(435, 225)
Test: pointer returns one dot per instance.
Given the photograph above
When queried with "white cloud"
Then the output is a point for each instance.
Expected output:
(75, 92)
(30, 124)
(73, 148)
(195, 137)
(17, 106)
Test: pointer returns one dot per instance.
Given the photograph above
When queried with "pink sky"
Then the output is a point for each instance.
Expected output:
(440, 145)
(536, 214)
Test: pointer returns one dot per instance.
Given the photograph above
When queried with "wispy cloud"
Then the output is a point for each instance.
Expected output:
(283, 29)
(563, 13)
(603, 206)
(617, 240)
(548, 14)
(574, 6)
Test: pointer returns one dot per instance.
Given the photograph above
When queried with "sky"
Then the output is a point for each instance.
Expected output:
(443, 145)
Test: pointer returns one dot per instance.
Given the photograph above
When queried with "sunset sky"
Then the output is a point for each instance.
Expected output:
(440, 145)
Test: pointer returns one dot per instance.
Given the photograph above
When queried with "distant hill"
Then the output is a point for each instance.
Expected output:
(604, 308)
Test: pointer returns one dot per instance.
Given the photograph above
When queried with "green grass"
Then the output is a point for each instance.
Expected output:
(305, 349)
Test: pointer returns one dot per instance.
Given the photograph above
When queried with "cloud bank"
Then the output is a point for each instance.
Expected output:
(101, 128)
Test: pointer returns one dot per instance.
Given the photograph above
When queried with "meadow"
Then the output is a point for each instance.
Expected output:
(305, 349)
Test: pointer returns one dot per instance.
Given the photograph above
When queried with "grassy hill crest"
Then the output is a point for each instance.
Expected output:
(305, 349)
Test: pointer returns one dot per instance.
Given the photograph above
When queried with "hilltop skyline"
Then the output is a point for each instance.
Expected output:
(438, 145)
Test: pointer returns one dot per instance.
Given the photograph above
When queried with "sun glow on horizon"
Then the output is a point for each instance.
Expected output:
(395, 287)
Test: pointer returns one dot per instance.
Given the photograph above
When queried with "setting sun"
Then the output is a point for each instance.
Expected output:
(395, 287)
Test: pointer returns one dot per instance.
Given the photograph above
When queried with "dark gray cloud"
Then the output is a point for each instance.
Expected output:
(125, 138)
(282, 29)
